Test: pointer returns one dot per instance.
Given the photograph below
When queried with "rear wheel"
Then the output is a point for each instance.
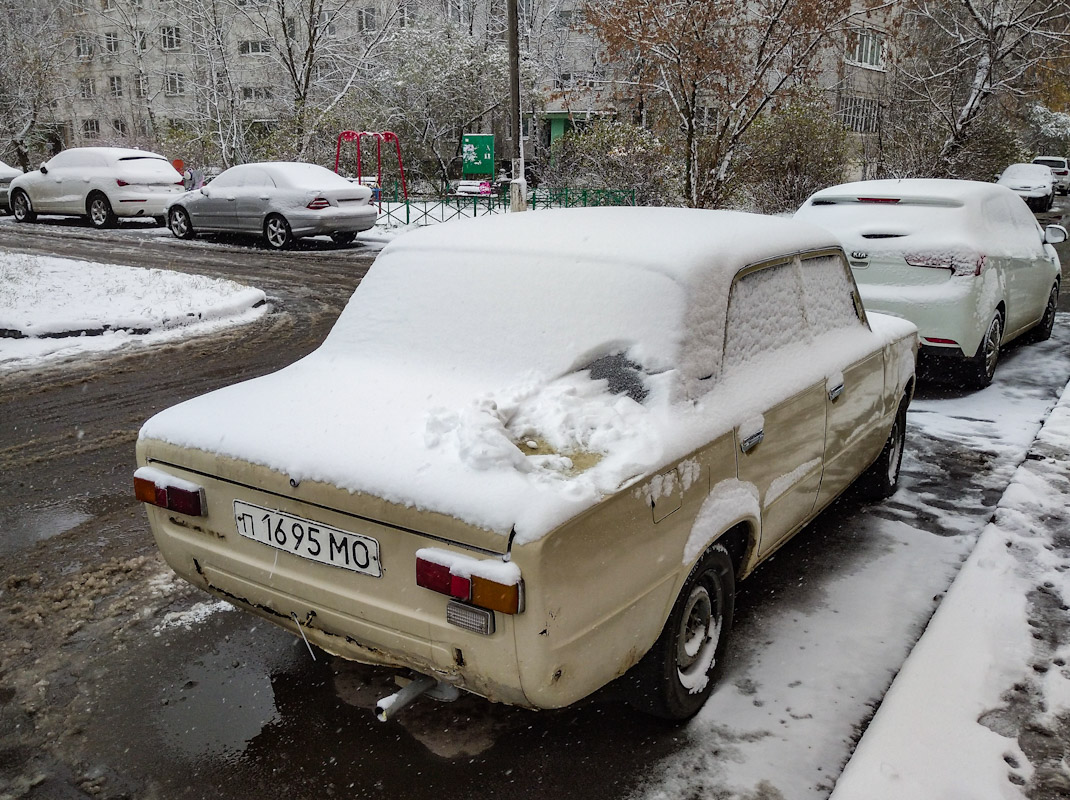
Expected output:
(982, 367)
(882, 477)
(343, 237)
(21, 208)
(1042, 332)
(676, 677)
(277, 232)
(100, 211)
(179, 222)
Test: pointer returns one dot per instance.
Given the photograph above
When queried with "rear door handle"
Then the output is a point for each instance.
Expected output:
(835, 391)
(752, 441)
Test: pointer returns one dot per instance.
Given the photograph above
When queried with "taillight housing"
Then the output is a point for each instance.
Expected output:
(958, 263)
(156, 487)
(319, 204)
(121, 182)
(486, 583)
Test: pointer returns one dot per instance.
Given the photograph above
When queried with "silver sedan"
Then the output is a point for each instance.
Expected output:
(7, 174)
(281, 201)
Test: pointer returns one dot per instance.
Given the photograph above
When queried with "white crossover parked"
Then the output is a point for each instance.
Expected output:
(964, 261)
(101, 183)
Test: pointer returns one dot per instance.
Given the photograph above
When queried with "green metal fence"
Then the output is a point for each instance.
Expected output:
(395, 210)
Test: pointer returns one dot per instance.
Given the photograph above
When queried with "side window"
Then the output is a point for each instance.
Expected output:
(229, 179)
(765, 312)
(828, 294)
(257, 178)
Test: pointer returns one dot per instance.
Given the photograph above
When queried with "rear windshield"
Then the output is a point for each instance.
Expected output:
(1054, 163)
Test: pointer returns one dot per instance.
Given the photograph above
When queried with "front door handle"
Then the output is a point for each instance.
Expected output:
(835, 391)
(752, 441)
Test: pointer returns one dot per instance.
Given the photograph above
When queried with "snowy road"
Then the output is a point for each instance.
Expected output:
(116, 680)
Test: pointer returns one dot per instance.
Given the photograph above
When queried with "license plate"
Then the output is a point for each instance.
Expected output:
(308, 539)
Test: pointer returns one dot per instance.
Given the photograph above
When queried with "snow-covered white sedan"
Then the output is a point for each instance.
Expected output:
(965, 261)
(279, 200)
(100, 183)
(1034, 183)
(537, 451)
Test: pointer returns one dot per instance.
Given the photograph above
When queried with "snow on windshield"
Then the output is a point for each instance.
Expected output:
(477, 314)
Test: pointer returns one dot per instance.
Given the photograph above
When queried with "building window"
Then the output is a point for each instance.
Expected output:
(256, 93)
(170, 38)
(111, 43)
(141, 85)
(326, 22)
(365, 19)
(141, 41)
(174, 83)
(564, 19)
(119, 126)
(115, 85)
(289, 27)
(137, 5)
(86, 90)
(254, 48)
(91, 128)
(83, 47)
(860, 114)
(865, 48)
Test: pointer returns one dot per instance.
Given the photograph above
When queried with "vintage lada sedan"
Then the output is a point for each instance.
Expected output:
(537, 452)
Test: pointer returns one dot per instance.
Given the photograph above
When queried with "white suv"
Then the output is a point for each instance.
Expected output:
(101, 183)
(1059, 168)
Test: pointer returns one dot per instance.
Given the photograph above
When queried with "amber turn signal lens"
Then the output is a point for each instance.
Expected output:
(496, 596)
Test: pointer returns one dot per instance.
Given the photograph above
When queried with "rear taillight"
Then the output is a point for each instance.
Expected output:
(878, 199)
(181, 183)
(319, 203)
(937, 340)
(121, 182)
(960, 264)
(157, 488)
(487, 583)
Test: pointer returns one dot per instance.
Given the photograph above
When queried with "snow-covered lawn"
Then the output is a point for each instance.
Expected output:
(57, 307)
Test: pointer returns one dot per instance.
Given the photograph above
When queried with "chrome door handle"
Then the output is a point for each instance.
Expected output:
(752, 441)
(835, 391)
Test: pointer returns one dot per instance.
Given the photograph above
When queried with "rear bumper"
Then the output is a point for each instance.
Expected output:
(142, 204)
(332, 220)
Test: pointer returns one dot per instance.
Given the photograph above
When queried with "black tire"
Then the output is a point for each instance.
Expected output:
(179, 222)
(98, 209)
(277, 232)
(678, 674)
(21, 208)
(161, 221)
(881, 479)
(340, 237)
(982, 367)
(1042, 331)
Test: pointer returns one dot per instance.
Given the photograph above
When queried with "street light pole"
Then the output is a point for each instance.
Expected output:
(518, 186)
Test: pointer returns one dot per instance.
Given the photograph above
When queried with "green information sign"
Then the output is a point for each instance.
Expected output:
(477, 150)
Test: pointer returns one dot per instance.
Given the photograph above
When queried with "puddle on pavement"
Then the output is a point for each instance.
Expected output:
(223, 702)
(29, 526)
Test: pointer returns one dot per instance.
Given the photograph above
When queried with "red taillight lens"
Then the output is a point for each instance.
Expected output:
(476, 589)
(960, 264)
(319, 203)
(121, 182)
(180, 183)
(159, 489)
(878, 199)
(935, 340)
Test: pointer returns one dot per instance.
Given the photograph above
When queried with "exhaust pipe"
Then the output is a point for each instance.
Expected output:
(391, 706)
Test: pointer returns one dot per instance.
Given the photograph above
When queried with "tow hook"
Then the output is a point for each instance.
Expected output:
(390, 706)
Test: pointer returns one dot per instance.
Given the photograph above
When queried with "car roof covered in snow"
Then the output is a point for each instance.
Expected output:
(940, 191)
(116, 152)
(690, 246)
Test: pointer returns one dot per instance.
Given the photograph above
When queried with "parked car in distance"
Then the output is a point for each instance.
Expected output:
(965, 261)
(100, 183)
(281, 201)
(7, 174)
(1034, 183)
(1060, 169)
(537, 451)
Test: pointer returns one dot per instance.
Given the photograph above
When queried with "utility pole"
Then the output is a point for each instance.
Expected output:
(518, 188)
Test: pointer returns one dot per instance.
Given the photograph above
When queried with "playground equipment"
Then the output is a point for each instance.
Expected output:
(379, 137)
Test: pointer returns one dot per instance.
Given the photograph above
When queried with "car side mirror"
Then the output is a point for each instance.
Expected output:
(1054, 234)
(204, 191)
(44, 168)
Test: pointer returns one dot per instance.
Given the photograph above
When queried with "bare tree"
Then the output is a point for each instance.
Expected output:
(967, 55)
(37, 51)
(719, 63)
